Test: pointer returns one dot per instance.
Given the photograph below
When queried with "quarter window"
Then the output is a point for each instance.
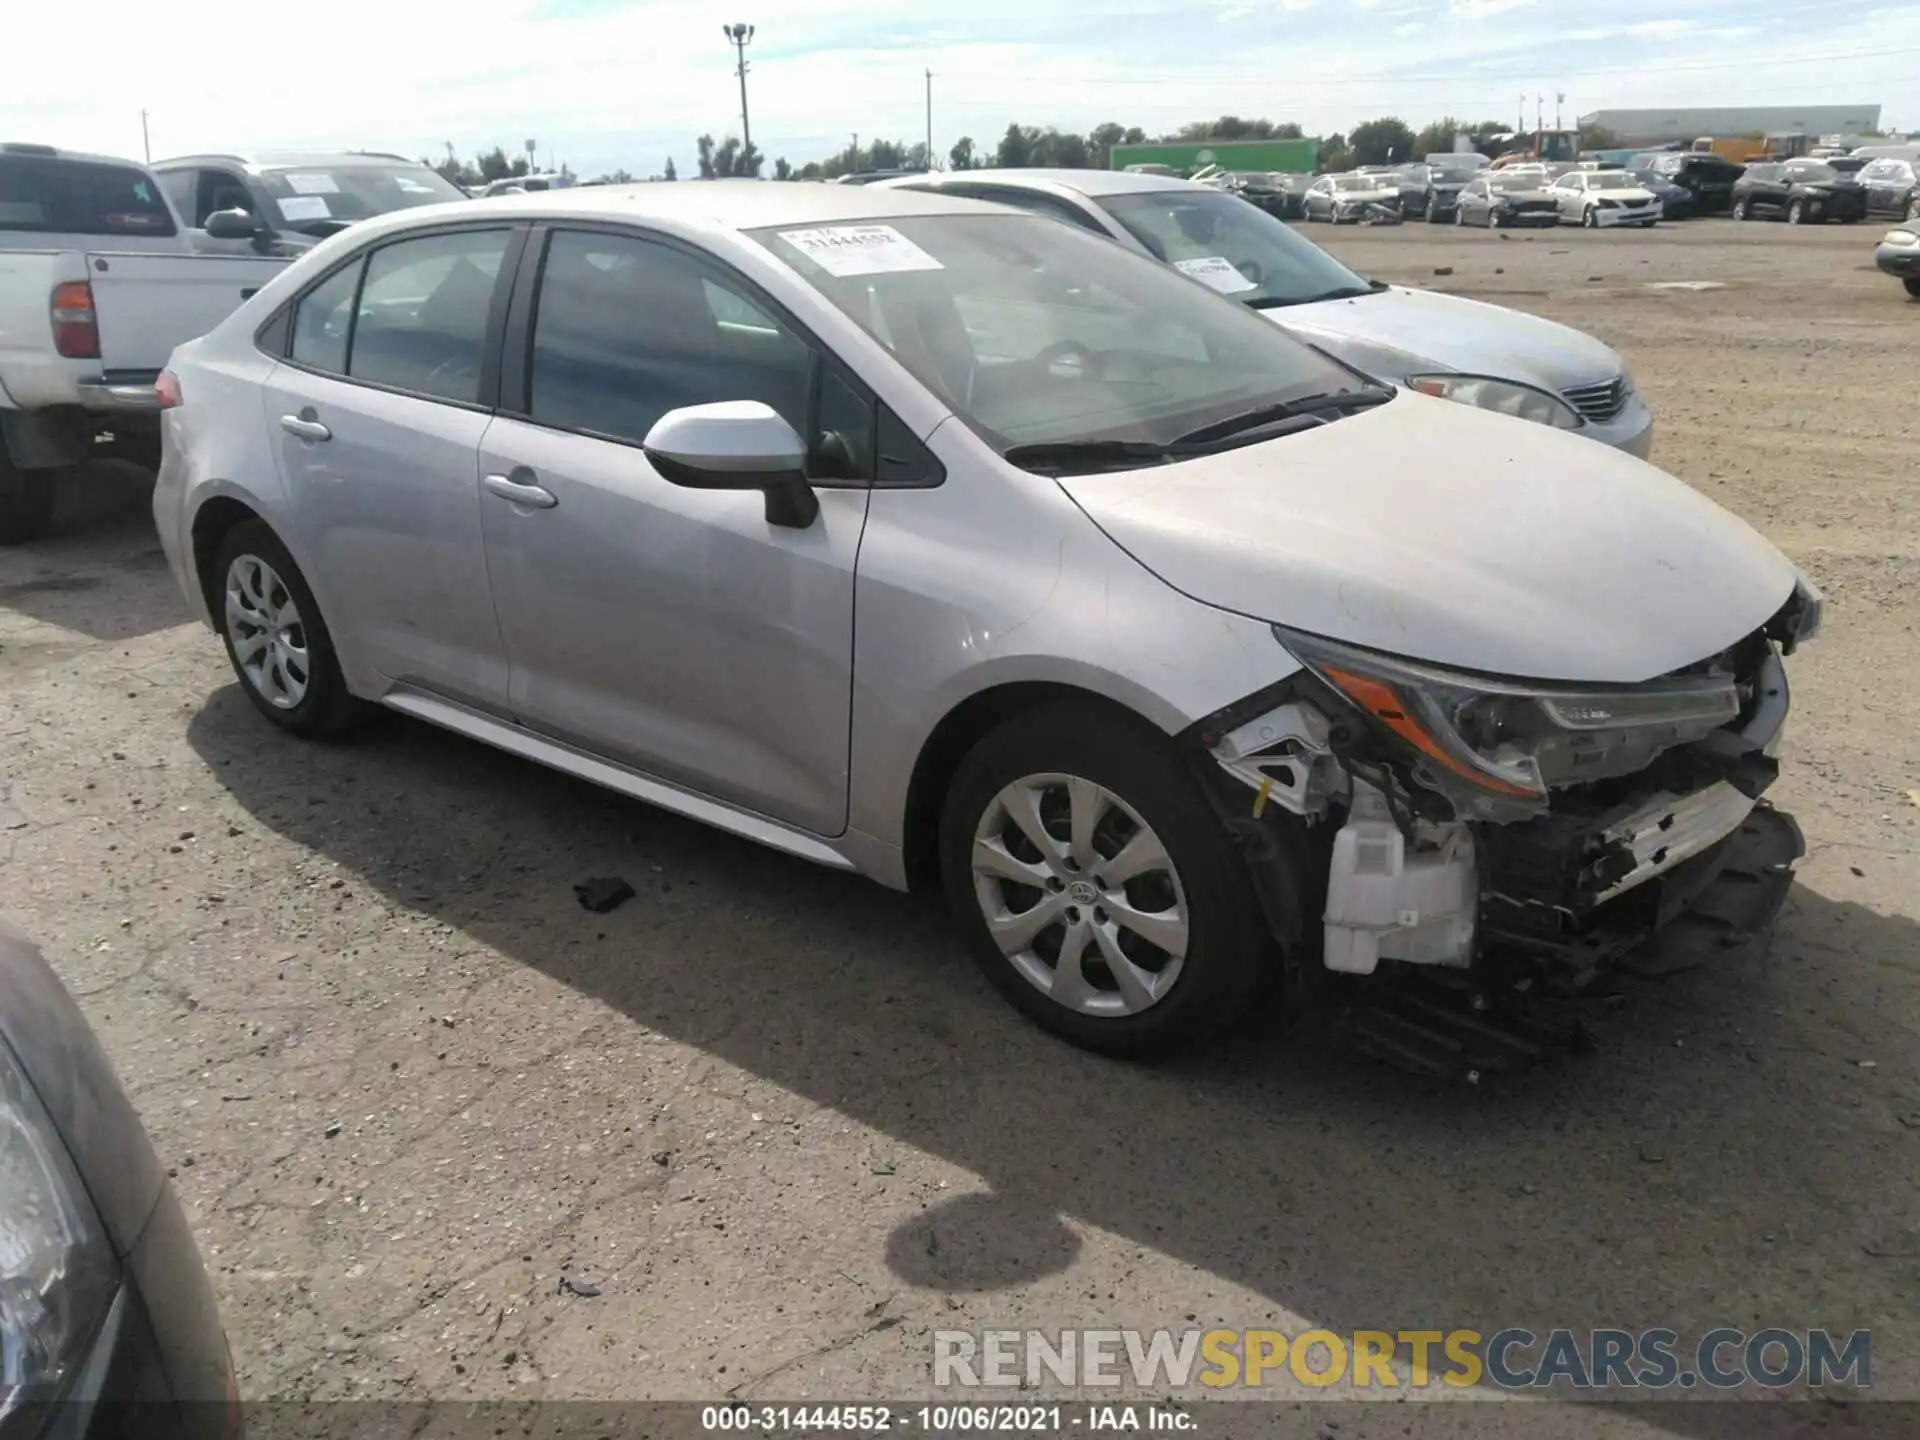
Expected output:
(422, 321)
(627, 329)
(322, 323)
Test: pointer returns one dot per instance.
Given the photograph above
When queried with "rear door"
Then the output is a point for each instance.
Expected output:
(378, 410)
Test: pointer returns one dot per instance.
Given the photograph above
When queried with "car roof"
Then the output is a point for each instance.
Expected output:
(26, 151)
(1086, 182)
(721, 204)
(284, 159)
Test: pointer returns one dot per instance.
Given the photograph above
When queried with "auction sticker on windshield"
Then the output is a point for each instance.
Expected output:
(843, 250)
(1217, 273)
(304, 207)
(313, 185)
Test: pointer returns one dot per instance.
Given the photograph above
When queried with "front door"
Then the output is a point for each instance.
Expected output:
(673, 630)
(377, 417)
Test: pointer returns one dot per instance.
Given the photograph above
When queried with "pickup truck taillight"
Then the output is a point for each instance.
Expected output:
(167, 389)
(76, 330)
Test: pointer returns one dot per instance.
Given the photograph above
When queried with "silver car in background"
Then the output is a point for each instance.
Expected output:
(1485, 355)
(966, 549)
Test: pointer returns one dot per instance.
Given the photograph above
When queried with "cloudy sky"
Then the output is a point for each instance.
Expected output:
(606, 83)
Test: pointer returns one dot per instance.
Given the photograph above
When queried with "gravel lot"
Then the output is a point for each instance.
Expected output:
(773, 1113)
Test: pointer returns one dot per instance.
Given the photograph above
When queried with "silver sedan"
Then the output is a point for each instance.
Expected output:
(960, 548)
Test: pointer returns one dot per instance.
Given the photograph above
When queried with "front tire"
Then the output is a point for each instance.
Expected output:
(1098, 890)
(1590, 219)
(1741, 210)
(1912, 282)
(1913, 208)
(1797, 213)
(275, 636)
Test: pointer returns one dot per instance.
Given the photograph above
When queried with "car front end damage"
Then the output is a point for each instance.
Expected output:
(1483, 850)
(1373, 208)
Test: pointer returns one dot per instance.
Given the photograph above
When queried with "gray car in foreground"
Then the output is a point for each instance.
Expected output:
(108, 1326)
(1484, 355)
(966, 549)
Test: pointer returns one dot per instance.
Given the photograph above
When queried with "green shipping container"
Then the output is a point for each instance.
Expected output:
(1294, 157)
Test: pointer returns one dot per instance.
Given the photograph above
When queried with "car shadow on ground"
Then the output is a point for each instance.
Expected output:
(1696, 1169)
(93, 572)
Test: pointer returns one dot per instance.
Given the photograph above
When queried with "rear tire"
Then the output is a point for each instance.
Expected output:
(1913, 208)
(276, 638)
(1912, 282)
(1078, 769)
(26, 502)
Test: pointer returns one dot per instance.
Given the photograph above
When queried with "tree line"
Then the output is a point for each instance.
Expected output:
(1373, 142)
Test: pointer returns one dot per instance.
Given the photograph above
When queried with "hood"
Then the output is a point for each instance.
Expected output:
(1442, 533)
(1396, 332)
(1380, 194)
(1634, 195)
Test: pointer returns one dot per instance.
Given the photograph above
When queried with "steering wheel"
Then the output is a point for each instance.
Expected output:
(1090, 361)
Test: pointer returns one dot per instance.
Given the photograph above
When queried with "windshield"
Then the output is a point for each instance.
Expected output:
(1036, 332)
(319, 199)
(1517, 180)
(1266, 262)
(1803, 171)
(1458, 164)
(1612, 180)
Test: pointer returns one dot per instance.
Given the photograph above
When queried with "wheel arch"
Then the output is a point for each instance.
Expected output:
(954, 736)
(212, 522)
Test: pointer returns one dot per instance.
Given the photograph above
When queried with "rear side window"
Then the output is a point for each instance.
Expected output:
(422, 319)
(74, 197)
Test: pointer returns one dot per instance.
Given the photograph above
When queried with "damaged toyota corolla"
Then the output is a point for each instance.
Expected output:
(959, 547)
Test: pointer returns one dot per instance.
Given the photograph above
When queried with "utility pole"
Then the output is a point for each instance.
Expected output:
(741, 36)
(146, 145)
(930, 164)
(1521, 124)
(1559, 99)
(1539, 112)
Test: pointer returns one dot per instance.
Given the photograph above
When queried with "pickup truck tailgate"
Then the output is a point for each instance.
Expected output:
(148, 304)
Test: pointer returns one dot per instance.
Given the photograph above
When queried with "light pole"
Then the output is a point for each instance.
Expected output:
(741, 36)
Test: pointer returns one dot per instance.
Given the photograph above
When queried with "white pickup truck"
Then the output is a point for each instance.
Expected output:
(99, 282)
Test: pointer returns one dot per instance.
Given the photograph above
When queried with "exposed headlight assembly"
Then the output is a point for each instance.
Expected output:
(57, 1270)
(1504, 397)
(1495, 748)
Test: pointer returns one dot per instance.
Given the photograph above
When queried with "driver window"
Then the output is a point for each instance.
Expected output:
(219, 190)
(422, 321)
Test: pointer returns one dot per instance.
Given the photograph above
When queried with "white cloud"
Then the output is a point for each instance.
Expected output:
(1481, 9)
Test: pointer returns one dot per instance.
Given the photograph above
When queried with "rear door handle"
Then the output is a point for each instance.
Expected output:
(536, 497)
(306, 426)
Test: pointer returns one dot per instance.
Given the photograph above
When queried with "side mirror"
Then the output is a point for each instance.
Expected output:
(233, 224)
(736, 445)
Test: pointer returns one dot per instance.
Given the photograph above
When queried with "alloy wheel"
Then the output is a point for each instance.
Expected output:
(1080, 895)
(268, 635)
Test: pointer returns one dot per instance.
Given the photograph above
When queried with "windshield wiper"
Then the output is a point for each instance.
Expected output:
(1364, 397)
(1345, 292)
(1061, 457)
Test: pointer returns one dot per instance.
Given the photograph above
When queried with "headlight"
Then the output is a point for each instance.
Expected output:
(1901, 237)
(1800, 618)
(1507, 397)
(57, 1271)
(1495, 747)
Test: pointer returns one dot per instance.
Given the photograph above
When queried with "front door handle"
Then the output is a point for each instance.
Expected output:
(306, 425)
(536, 497)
